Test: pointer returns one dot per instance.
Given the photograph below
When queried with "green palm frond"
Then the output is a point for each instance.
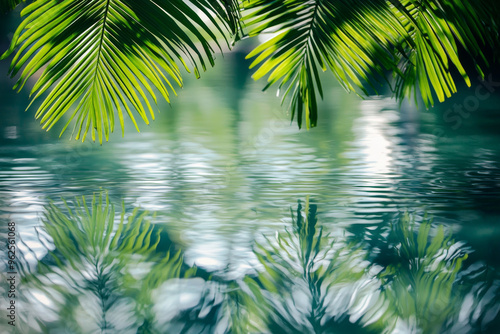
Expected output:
(359, 40)
(102, 56)
(346, 36)
(435, 31)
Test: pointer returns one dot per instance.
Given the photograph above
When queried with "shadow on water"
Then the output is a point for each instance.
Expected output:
(97, 269)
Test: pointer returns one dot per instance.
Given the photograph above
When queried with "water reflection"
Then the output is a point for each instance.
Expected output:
(309, 279)
(418, 285)
(98, 269)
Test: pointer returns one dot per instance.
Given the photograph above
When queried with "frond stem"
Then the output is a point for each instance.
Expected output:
(311, 25)
(103, 30)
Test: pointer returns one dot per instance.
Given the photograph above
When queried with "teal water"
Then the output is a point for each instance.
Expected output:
(223, 178)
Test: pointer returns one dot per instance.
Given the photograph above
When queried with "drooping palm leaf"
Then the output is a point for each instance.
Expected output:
(102, 56)
(346, 36)
(358, 40)
(435, 32)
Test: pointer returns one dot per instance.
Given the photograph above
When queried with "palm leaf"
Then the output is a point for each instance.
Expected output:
(102, 56)
(311, 35)
(418, 41)
(437, 29)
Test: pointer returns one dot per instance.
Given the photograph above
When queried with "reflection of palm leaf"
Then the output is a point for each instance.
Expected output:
(358, 40)
(307, 281)
(96, 257)
(88, 232)
(301, 271)
(481, 304)
(101, 56)
(419, 288)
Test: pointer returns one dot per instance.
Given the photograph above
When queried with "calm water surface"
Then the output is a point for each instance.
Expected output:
(379, 220)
